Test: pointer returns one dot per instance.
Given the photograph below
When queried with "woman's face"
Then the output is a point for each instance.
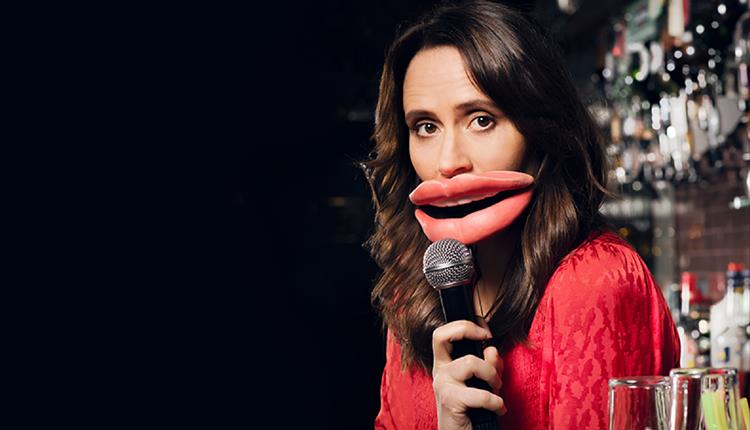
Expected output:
(453, 127)
(470, 158)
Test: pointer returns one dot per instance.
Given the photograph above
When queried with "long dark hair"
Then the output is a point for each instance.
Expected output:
(512, 60)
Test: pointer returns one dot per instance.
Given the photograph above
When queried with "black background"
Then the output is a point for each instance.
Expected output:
(240, 212)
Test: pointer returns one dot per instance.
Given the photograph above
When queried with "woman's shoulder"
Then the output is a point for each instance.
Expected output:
(604, 263)
(600, 245)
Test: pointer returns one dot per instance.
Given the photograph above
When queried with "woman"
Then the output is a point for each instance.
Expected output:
(480, 136)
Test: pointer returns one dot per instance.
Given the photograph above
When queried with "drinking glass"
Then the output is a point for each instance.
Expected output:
(720, 393)
(685, 410)
(639, 403)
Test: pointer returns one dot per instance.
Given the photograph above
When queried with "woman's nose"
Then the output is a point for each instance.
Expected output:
(453, 159)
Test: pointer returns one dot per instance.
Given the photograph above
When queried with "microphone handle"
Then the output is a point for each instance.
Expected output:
(458, 304)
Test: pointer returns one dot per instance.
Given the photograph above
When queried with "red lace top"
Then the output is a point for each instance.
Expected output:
(601, 316)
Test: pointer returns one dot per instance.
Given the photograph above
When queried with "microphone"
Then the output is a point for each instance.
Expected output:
(448, 266)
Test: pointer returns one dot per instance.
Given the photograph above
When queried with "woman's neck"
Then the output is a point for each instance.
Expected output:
(493, 256)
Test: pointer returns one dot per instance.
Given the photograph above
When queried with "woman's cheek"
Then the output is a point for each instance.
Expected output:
(421, 159)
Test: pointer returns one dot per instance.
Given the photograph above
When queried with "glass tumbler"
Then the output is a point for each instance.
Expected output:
(720, 399)
(685, 410)
(639, 403)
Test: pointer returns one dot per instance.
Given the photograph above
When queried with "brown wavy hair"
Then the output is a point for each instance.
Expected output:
(510, 59)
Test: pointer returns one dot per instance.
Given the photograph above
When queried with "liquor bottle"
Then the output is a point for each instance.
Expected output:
(744, 308)
(685, 324)
(733, 338)
(742, 58)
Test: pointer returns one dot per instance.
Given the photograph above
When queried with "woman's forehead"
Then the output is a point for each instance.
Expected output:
(437, 77)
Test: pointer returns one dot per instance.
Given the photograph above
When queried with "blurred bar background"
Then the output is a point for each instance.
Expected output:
(668, 84)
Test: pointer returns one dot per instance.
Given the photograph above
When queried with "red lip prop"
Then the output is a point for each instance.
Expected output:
(471, 187)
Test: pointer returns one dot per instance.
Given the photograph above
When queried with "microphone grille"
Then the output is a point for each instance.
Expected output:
(447, 263)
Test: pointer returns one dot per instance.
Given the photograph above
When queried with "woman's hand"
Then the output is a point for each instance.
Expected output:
(452, 395)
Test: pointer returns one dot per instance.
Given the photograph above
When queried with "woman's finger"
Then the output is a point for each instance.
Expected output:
(467, 366)
(451, 332)
(459, 399)
(492, 356)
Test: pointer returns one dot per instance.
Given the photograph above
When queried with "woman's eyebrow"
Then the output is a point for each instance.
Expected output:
(476, 104)
(471, 105)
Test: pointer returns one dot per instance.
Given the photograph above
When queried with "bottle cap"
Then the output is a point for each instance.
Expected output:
(735, 267)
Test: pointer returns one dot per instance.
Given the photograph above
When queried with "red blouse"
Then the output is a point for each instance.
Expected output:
(601, 316)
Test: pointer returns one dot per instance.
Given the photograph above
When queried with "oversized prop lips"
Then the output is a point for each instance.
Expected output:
(471, 206)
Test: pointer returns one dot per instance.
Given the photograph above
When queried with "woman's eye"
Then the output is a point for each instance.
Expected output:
(484, 121)
(425, 128)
